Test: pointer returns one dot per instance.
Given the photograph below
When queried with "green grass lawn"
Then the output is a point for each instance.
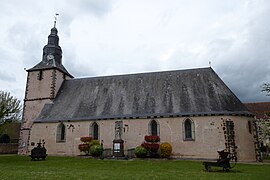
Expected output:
(21, 167)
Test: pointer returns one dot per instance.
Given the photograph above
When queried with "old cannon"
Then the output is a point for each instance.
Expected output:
(223, 161)
(38, 152)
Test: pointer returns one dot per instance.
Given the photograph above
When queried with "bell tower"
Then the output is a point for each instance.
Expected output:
(43, 82)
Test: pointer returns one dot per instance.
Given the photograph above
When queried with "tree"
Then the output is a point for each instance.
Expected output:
(10, 108)
(266, 88)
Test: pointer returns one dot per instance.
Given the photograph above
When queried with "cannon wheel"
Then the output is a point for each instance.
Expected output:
(207, 168)
(226, 169)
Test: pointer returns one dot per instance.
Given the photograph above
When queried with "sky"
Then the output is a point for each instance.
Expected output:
(109, 37)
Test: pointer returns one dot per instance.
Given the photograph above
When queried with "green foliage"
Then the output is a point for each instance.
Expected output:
(165, 150)
(96, 150)
(266, 88)
(94, 142)
(10, 108)
(141, 152)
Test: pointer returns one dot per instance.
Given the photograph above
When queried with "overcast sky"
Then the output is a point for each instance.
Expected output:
(108, 37)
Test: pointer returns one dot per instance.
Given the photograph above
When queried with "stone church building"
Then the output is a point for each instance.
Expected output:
(192, 109)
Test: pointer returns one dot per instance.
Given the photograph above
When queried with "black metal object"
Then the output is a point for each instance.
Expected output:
(38, 152)
(223, 161)
(118, 148)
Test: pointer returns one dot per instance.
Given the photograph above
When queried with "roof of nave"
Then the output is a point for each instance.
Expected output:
(157, 94)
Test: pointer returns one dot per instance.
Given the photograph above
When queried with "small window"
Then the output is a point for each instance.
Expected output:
(94, 131)
(40, 75)
(61, 133)
(249, 127)
(188, 130)
(153, 128)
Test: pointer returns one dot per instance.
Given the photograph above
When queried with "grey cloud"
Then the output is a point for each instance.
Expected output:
(25, 39)
(245, 68)
(7, 76)
(84, 8)
(100, 7)
(166, 16)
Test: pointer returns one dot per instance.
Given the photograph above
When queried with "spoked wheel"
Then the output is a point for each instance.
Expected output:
(226, 169)
(207, 168)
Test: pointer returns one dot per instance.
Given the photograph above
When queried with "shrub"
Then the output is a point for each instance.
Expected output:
(165, 150)
(152, 138)
(86, 139)
(150, 147)
(96, 150)
(84, 148)
(94, 142)
(140, 152)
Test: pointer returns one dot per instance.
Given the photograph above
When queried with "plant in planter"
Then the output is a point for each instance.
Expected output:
(141, 152)
(96, 150)
(84, 147)
(86, 139)
(152, 138)
(94, 142)
(165, 150)
(151, 145)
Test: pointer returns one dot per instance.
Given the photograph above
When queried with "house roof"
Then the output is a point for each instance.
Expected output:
(158, 94)
(12, 129)
(259, 109)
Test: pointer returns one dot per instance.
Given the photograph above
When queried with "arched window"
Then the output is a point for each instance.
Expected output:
(188, 130)
(94, 131)
(61, 133)
(153, 128)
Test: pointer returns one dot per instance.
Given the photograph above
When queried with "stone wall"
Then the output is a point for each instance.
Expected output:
(9, 148)
(208, 135)
(38, 93)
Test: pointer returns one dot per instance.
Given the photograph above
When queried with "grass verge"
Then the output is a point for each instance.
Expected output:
(21, 167)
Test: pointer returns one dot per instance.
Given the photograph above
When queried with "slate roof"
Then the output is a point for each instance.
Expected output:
(193, 92)
(259, 109)
(50, 65)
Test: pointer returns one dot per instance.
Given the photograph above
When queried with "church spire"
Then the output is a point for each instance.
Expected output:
(52, 51)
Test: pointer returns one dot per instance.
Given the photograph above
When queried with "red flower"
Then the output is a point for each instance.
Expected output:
(152, 138)
(150, 146)
(84, 147)
(86, 139)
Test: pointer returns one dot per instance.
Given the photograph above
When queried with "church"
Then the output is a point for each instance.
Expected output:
(191, 109)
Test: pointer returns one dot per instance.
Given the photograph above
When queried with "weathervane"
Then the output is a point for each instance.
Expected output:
(210, 63)
(55, 19)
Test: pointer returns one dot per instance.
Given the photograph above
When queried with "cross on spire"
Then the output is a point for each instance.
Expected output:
(55, 19)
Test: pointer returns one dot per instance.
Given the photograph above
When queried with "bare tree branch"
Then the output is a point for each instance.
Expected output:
(266, 88)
